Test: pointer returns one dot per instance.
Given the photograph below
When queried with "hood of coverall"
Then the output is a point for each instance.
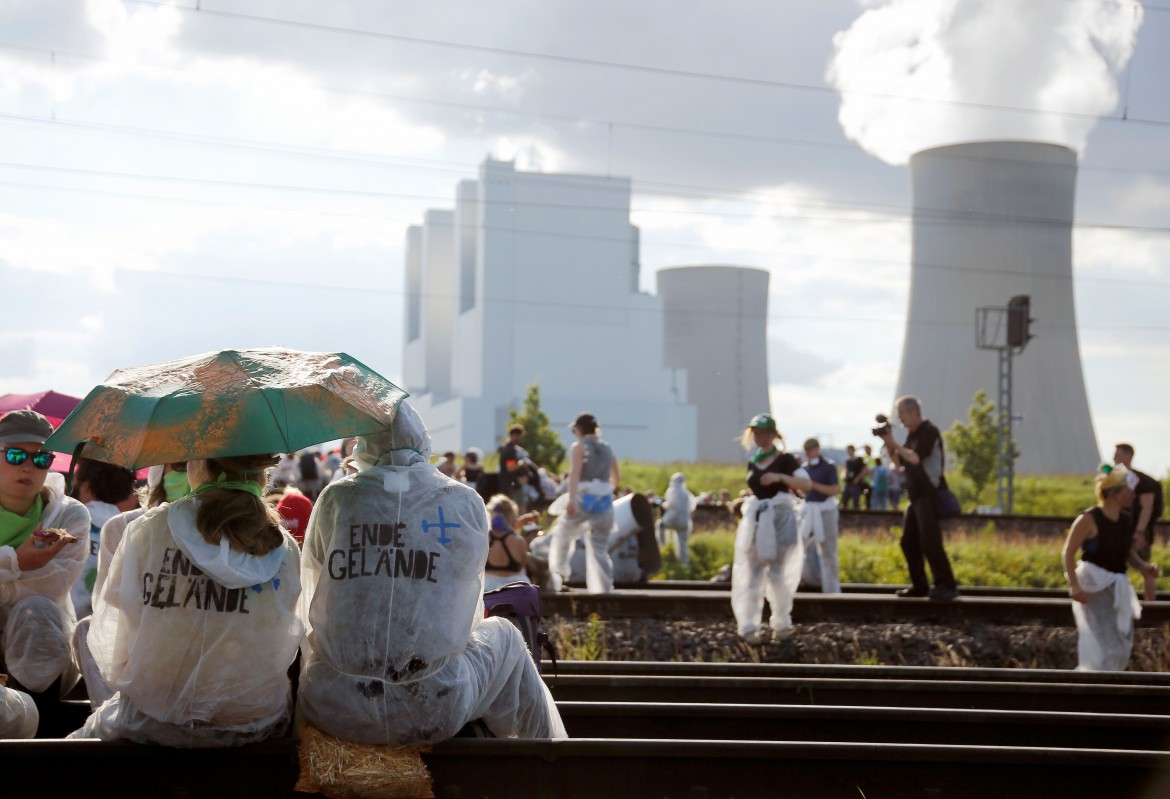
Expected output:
(406, 443)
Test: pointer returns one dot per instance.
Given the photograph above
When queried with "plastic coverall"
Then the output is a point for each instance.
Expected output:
(36, 613)
(397, 650)
(1105, 622)
(677, 505)
(769, 556)
(195, 638)
(82, 591)
(18, 714)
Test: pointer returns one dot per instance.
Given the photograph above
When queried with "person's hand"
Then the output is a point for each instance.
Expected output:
(1077, 593)
(38, 550)
(571, 511)
(1151, 570)
(528, 518)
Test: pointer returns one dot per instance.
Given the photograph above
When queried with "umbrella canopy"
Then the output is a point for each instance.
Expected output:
(232, 402)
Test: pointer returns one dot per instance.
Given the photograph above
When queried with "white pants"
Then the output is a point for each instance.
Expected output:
(680, 536)
(753, 580)
(95, 685)
(18, 714)
(826, 548)
(36, 643)
(598, 565)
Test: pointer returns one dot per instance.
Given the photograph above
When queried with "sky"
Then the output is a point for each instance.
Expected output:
(183, 177)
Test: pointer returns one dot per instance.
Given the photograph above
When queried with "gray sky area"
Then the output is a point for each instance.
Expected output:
(177, 178)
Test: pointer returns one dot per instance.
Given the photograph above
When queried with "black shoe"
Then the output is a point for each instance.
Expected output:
(911, 591)
(942, 594)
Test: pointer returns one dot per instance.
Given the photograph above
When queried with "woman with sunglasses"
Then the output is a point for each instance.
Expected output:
(40, 559)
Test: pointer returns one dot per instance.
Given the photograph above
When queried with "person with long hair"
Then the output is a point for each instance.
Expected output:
(593, 478)
(769, 555)
(197, 626)
(1104, 601)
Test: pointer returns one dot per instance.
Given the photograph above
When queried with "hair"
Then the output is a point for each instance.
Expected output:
(503, 505)
(748, 439)
(1109, 480)
(585, 424)
(107, 482)
(471, 457)
(811, 443)
(909, 402)
(449, 455)
(1124, 447)
(248, 524)
(516, 428)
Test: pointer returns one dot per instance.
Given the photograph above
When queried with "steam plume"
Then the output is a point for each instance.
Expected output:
(924, 73)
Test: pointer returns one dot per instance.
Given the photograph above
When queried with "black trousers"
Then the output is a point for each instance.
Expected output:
(922, 538)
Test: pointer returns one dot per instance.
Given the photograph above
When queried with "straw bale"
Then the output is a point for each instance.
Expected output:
(345, 770)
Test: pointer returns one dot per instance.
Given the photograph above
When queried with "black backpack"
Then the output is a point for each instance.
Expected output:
(519, 603)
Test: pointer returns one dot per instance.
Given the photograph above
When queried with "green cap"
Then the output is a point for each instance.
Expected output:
(764, 421)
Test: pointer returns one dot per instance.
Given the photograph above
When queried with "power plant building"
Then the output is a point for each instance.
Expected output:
(533, 278)
(715, 327)
(993, 220)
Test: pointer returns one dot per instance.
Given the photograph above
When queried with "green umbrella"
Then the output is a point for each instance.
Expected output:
(233, 402)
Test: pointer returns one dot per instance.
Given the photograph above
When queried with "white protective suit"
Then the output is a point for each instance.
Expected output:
(819, 529)
(36, 613)
(18, 714)
(397, 650)
(82, 591)
(1105, 626)
(768, 559)
(677, 507)
(195, 638)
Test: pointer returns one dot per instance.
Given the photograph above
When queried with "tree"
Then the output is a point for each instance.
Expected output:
(974, 444)
(542, 442)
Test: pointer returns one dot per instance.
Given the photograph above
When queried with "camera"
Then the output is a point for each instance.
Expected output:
(883, 425)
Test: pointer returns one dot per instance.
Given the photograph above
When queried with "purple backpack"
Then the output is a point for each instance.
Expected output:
(519, 603)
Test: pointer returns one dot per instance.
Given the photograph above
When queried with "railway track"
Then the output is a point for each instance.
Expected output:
(864, 588)
(722, 730)
(853, 607)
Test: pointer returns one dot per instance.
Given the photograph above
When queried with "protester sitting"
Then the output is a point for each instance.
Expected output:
(294, 510)
(472, 468)
(106, 490)
(447, 465)
(165, 483)
(397, 650)
(196, 627)
(40, 558)
(507, 550)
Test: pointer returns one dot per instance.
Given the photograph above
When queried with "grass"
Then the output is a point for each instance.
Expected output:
(983, 558)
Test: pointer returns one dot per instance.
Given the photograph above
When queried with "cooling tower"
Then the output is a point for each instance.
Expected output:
(993, 220)
(714, 327)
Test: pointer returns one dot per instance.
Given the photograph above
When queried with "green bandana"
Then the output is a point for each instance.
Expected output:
(15, 529)
(233, 485)
(176, 485)
(759, 456)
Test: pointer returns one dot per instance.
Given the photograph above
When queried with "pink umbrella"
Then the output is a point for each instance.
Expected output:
(50, 404)
(54, 406)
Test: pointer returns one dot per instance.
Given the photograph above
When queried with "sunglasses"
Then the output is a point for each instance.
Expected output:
(16, 456)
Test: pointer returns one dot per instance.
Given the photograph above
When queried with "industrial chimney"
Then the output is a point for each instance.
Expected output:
(993, 220)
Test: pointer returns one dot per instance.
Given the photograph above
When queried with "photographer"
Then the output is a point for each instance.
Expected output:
(922, 456)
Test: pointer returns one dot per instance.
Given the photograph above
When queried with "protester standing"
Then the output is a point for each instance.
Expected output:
(1105, 603)
(593, 478)
(819, 518)
(769, 554)
(1148, 505)
(924, 461)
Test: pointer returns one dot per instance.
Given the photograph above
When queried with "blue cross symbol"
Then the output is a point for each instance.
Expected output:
(442, 525)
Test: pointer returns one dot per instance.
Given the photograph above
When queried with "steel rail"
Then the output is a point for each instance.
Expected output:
(855, 672)
(652, 721)
(662, 604)
(861, 588)
(957, 694)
